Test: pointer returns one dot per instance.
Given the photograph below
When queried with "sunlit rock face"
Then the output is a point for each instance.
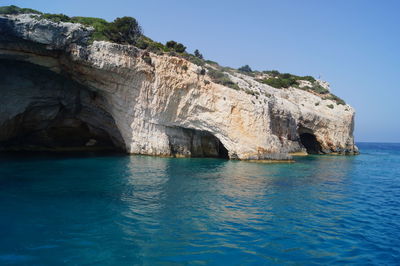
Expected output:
(61, 91)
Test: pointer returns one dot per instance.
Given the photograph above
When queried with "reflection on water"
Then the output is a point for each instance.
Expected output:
(120, 210)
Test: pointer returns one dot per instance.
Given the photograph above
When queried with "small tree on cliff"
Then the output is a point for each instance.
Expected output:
(245, 68)
(125, 30)
(198, 54)
(177, 47)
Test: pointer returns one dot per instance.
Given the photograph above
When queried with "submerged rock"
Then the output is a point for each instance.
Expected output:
(58, 85)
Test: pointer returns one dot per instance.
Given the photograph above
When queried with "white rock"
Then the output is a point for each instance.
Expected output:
(163, 109)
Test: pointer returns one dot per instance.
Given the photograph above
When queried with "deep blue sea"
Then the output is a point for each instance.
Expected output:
(138, 210)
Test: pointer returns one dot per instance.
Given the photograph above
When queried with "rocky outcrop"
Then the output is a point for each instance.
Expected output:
(109, 94)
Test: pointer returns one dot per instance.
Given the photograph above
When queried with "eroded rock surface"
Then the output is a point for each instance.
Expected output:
(150, 104)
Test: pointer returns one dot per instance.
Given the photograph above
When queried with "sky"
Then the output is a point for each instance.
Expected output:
(354, 45)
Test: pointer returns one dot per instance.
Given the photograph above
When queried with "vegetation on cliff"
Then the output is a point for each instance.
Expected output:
(245, 68)
(127, 30)
(284, 80)
(14, 10)
(220, 77)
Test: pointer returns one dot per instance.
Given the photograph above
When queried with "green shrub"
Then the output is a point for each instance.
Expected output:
(280, 82)
(286, 80)
(125, 30)
(245, 68)
(330, 106)
(180, 48)
(56, 17)
(287, 76)
(318, 89)
(251, 92)
(171, 44)
(198, 54)
(195, 60)
(308, 78)
(276, 73)
(211, 62)
(144, 42)
(177, 47)
(98, 24)
(216, 74)
(273, 73)
(233, 85)
(336, 99)
(14, 10)
(220, 77)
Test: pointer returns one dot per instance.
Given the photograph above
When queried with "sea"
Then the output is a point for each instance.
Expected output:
(113, 209)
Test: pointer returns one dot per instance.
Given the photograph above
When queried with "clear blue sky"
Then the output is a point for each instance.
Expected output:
(354, 44)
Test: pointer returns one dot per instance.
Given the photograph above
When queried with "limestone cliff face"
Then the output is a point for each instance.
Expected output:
(151, 104)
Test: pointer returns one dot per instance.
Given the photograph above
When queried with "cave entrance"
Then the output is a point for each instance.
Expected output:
(185, 142)
(222, 151)
(61, 134)
(208, 146)
(310, 142)
(45, 111)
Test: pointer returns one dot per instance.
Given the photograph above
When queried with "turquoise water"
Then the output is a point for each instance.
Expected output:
(125, 210)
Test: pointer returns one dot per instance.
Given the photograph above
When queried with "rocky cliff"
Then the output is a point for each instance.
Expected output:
(60, 90)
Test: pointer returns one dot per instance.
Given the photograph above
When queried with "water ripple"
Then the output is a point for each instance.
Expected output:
(119, 210)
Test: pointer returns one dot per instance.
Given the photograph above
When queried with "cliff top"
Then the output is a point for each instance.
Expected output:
(127, 31)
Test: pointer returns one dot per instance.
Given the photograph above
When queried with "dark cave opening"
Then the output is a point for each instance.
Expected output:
(65, 134)
(45, 111)
(222, 151)
(185, 142)
(211, 147)
(311, 144)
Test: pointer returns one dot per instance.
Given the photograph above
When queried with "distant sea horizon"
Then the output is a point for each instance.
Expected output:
(383, 142)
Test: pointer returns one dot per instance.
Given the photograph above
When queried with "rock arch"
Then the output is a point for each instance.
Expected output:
(185, 142)
(309, 141)
(43, 110)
